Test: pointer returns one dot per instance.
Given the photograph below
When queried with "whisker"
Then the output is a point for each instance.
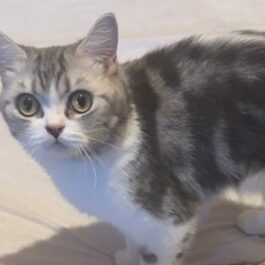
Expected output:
(81, 158)
(94, 154)
(103, 142)
(97, 129)
(92, 165)
(103, 129)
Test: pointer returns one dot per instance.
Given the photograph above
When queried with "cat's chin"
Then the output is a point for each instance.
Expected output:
(60, 150)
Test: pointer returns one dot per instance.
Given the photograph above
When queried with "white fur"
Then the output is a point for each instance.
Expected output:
(250, 194)
(252, 222)
(102, 189)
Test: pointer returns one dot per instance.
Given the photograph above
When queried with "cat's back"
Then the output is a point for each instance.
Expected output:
(202, 100)
(199, 58)
(203, 71)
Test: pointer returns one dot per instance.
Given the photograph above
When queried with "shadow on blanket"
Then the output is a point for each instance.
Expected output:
(218, 242)
(94, 244)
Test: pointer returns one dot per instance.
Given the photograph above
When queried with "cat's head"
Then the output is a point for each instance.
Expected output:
(66, 99)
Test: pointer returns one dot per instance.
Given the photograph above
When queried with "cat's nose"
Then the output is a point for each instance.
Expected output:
(54, 130)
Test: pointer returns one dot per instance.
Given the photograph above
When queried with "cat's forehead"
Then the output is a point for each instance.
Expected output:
(46, 70)
(51, 70)
(59, 71)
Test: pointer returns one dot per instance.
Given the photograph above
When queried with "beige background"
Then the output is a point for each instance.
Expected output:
(60, 21)
(36, 225)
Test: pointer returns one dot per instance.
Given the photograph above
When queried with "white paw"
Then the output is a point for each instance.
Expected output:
(252, 222)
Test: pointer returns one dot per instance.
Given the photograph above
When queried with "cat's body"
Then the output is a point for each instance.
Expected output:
(202, 104)
(170, 129)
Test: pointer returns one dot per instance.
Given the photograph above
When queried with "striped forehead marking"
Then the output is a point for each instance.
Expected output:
(50, 73)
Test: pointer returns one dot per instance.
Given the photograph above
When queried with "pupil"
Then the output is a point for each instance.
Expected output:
(28, 104)
(81, 101)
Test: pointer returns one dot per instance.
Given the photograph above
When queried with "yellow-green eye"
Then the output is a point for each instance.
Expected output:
(80, 101)
(27, 105)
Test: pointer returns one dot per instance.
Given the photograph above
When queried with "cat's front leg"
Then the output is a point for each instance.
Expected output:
(173, 253)
(149, 258)
(161, 246)
(135, 254)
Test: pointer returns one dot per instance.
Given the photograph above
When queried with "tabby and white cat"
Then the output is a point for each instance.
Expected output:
(164, 132)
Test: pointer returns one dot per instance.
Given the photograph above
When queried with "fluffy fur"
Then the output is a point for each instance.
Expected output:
(164, 132)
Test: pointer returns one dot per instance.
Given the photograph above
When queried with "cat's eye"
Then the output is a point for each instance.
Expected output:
(27, 105)
(80, 101)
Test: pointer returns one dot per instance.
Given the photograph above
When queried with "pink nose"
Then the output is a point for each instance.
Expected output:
(54, 130)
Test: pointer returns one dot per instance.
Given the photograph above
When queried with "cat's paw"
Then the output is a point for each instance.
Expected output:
(252, 222)
(149, 258)
(123, 257)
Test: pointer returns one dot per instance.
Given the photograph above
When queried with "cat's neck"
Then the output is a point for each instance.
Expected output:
(78, 180)
(81, 180)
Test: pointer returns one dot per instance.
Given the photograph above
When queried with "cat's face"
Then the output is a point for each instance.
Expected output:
(67, 100)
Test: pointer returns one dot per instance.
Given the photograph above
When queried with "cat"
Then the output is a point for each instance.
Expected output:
(162, 134)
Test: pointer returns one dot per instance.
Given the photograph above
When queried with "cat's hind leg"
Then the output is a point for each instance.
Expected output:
(252, 222)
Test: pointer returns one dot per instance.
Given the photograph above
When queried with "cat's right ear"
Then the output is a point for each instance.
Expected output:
(10, 53)
(101, 42)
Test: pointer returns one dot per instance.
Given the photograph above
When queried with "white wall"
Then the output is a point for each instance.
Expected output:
(43, 22)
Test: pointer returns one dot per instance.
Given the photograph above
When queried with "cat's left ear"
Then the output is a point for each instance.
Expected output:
(10, 53)
(102, 40)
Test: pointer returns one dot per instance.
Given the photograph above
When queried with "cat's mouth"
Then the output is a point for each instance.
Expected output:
(61, 149)
(58, 146)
